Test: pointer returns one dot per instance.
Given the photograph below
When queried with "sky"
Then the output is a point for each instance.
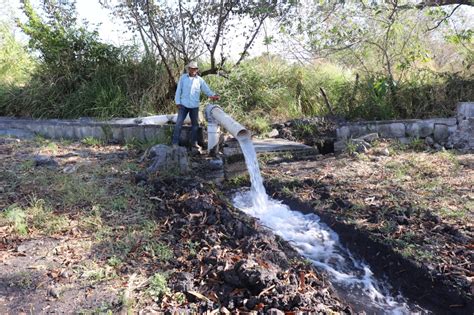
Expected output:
(111, 29)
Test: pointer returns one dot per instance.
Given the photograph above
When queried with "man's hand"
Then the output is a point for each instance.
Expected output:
(214, 98)
(179, 106)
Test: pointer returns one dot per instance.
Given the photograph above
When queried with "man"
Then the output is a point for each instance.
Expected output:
(187, 96)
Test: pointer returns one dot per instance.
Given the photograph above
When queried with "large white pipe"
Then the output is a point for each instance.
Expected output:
(214, 115)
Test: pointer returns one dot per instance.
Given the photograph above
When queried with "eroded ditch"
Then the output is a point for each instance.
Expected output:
(352, 277)
(413, 280)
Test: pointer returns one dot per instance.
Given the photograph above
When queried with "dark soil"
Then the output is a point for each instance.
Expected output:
(237, 263)
(98, 239)
(97, 235)
(425, 253)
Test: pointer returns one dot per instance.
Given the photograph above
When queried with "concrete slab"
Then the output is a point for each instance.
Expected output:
(277, 145)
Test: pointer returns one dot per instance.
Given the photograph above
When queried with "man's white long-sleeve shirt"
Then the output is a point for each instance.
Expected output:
(189, 90)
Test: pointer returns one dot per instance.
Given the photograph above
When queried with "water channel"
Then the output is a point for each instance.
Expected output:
(351, 277)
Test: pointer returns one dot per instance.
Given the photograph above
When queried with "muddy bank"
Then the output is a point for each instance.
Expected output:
(235, 263)
(441, 281)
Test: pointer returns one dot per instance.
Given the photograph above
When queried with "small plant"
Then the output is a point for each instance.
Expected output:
(27, 165)
(158, 250)
(351, 147)
(92, 142)
(417, 145)
(158, 286)
(17, 217)
(286, 191)
(42, 218)
(143, 145)
(114, 261)
(238, 181)
(397, 146)
(192, 246)
(179, 297)
(49, 147)
(259, 124)
(95, 273)
(22, 280)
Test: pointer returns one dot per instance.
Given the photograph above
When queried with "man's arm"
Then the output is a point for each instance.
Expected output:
(177, 96)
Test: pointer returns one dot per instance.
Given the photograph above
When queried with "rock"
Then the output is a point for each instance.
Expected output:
(43, 160)
(216, 164)
(168, 160)
(340, 146)
(429, 141)
(251, 303)
(382, 152)
(273, 134)
(9, 140)
(361, 146)
(141, 177)
(54, 292)
(369, 137)
(70, 169)
(17, 133)
(181, 282)
(440, 133)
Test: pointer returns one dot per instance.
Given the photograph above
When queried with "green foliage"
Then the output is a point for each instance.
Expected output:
(79, 76)
(267, 89)
(16, 65)
(92, 142)
(17, 217)
(158, 250)
(158, 286)
(37, 216)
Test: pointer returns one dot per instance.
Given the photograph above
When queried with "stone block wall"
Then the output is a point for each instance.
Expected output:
(455, 132)
(120, 131)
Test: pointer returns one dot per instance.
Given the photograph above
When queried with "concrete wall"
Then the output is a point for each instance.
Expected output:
(120, 131)
(456, 132)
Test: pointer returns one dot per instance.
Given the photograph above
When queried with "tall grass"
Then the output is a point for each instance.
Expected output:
(270, 89)
(77, 74)
(128, 88)
(16, 64)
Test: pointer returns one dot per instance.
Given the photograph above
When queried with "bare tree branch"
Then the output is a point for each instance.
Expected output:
(444, 18)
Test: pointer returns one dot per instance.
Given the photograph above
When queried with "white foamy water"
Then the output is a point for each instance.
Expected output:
(314, 240)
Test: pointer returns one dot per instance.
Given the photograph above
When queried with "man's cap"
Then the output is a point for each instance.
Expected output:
(192, 64)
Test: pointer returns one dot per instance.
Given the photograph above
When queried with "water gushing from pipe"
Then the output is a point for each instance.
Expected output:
(351, 277)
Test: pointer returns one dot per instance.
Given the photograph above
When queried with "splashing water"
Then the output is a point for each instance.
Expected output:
(313, 239)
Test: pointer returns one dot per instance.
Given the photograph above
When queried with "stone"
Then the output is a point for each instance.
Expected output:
(371, 137)
(389, 130)
(429, 141)
(343, 133)
(54, 292)
(382, 152)
(43, 160)
(273, 134)
(167, 160)
(274, 311)
(17, 133)
(465, 110)
(70, 169)
(361, 146)
(405, 140)
(182, 282)
(358, 130)
(340, 146)
(440, 134)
